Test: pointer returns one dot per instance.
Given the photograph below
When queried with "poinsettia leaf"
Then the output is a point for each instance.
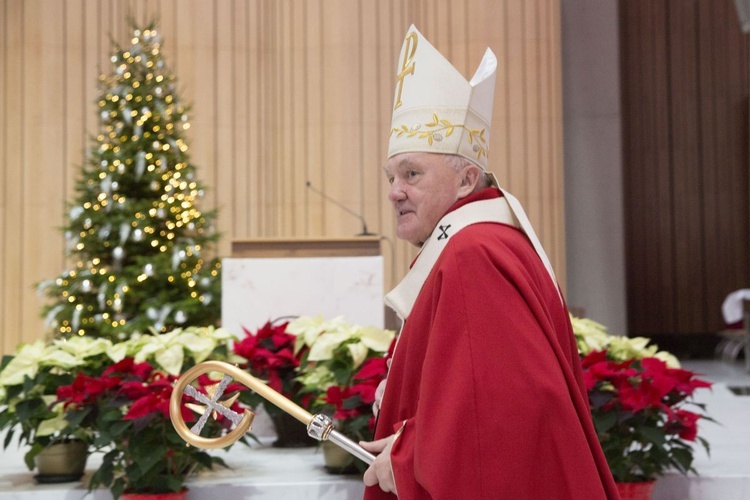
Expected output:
(118, 428)
(29, 408)
(352, 402)
(147, 461)
(705, 445)
(653, 435)
(6, 360)
(118, 488)
(175, 483)
(682, 459)
(605, 422)
(5, 419)
(8, 437)
(204, 459)
(75, 418)
(36, 448)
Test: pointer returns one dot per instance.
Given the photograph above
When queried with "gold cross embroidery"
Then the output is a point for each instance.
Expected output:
(407, 67)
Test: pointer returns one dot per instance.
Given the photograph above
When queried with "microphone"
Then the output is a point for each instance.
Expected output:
(364, 232)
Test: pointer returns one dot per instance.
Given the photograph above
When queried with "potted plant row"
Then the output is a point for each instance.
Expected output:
(114, 399)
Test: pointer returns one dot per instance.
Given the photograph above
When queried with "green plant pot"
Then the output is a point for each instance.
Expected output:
(290, 432)
(61, 462)
(337, 460)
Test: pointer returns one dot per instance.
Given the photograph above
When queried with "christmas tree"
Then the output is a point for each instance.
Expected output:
(134, 232)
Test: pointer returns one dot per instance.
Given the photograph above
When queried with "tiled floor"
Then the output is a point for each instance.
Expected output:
(721, 372)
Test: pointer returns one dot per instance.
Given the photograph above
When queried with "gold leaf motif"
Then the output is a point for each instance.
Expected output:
(442, 125)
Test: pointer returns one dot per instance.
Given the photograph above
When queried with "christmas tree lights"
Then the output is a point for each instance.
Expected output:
(135, 230)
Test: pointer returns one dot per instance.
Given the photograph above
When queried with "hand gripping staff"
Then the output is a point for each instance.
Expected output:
(319, 426)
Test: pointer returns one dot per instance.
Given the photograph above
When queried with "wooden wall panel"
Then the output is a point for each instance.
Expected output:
(282, 93)
(685, 70)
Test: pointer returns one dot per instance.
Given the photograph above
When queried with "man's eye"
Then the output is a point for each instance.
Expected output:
(390, 180)
(412, 173)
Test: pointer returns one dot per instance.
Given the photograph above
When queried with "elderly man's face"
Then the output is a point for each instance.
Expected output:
(423, 188)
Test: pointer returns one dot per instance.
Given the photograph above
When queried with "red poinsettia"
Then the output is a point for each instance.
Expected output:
(270, 356)
(639, 410)
(353, 401)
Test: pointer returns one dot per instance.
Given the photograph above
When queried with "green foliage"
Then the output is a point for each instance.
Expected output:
(134, 230)
(152, 459)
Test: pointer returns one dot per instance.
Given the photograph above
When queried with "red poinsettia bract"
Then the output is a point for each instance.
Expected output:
(270, 356)
(357, 399)
(638, 407)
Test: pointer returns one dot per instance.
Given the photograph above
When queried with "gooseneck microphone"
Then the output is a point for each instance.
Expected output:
(364, 232)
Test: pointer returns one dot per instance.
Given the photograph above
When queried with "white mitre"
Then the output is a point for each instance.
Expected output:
(435, 110)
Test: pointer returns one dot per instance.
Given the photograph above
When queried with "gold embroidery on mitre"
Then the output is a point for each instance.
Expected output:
(407, 67)
(440, 126)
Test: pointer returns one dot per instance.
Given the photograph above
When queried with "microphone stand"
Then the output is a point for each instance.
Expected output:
(364, 232)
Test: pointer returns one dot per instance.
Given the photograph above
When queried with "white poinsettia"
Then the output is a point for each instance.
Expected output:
(118, 352)
(592, 336)
(623, 348)
(74, 352)
(83, 347)
(376, 339)
(25, 363)
(169, 350)
(325, 337)
(306, 329)
(162, 348)
(668, 358)
(320, 378)
(54, 424)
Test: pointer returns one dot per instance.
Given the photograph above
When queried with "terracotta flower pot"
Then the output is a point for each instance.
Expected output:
(174, 495)
(61, 462)
(636, 491)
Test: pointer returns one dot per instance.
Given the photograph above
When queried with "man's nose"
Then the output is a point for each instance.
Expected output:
(396, 193)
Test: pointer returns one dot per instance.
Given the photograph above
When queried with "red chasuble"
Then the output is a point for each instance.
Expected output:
(487, 383)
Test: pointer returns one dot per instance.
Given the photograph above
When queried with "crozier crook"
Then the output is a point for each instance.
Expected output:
(319, 426)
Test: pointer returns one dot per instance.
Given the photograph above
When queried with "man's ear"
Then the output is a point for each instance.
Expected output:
(470, 175)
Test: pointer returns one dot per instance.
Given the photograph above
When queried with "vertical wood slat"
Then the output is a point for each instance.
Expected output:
(3, 148)
(13, 161)
(282, 92)
(687, 200)
(43, 169)
(685, 98)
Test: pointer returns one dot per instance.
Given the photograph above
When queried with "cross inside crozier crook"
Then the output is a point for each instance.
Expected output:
(318, 426)
(212, 405)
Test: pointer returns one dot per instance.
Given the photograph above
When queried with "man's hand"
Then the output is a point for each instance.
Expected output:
(380, 471)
